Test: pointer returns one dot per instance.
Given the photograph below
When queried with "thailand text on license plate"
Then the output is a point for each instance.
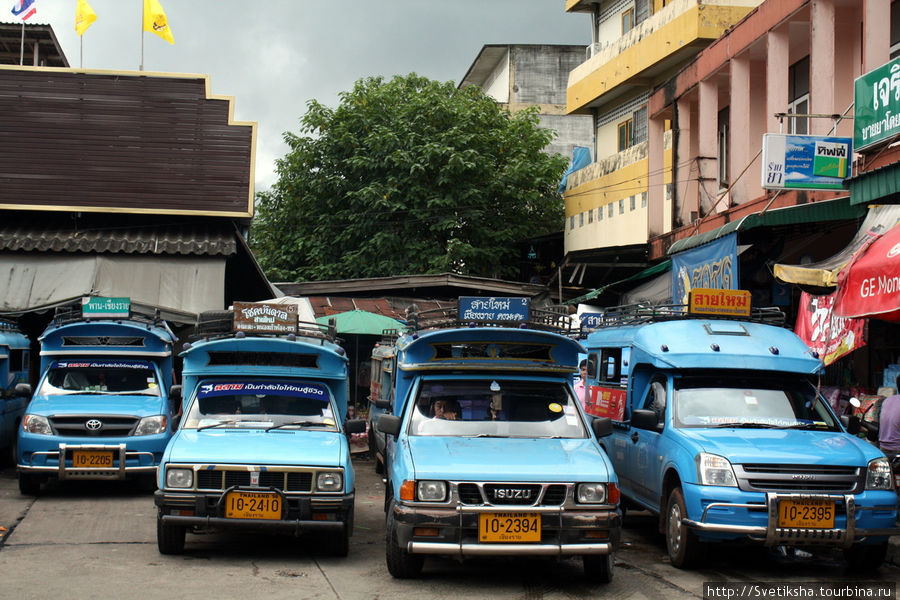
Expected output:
(806, 513)
(252, 505)
(509, 527)
(84, 459)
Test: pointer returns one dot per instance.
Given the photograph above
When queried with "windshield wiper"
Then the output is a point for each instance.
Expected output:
(299, 424)
(805, 426)
(739, 425)
(219, 424)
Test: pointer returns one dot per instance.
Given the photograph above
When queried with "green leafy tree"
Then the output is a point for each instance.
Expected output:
(408, 176)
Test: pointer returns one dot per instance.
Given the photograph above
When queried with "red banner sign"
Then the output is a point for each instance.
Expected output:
(606, 402)
(825, 332)
(870, 285)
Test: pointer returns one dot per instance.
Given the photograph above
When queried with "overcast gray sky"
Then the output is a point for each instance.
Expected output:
(273, 56)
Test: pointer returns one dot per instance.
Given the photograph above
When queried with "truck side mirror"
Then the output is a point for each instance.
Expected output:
(389, 424)
(644, 419)
(851, 424)
(23, 389)
(355, 426)
(382, 403)
(175, 393)
(602, 426)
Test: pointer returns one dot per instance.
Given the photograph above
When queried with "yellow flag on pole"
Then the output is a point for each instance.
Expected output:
(155, 21)
(84, 16)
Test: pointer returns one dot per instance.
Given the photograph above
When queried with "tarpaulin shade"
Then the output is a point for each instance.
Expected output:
(870, 285)
(825, 273)
(361, 322)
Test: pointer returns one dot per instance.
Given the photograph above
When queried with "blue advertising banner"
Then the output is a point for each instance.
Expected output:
(713, 265)
(314, 391)
(493, 309)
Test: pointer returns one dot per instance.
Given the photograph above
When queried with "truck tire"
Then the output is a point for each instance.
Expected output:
(169, 538)
(339, 545)
(685, 550)
(865, 558)
(598, 567)
(213, 322)
(29, 485)
(400, 563)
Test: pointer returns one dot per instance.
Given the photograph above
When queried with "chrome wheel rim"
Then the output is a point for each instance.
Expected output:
(675, 528)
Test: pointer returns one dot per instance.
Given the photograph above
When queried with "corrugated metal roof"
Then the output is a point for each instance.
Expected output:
(195, 239)
(875, 185)
(389, 307)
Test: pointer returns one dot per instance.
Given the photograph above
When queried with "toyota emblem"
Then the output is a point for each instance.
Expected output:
(93, 424)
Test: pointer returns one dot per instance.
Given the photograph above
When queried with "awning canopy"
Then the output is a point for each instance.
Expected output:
(813, 212)
(824, 274)
(875, 185)
(870, 285)
(648, 272)
(361, 322)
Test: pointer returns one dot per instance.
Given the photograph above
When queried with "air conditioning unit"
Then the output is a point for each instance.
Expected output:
(593, 49)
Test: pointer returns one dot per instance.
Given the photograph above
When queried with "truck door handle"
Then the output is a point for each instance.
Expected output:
(634, 437)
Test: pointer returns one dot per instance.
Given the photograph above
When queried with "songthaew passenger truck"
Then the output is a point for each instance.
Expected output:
(263, 443)
(719, 429)
(488, 452)
(15, 354)
(101, 409)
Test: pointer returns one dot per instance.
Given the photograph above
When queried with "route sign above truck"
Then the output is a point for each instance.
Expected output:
(98, 307)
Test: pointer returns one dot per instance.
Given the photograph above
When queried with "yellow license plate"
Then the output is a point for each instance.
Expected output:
(806, 514)
(84, 459)
(252, 505)
(509, 527)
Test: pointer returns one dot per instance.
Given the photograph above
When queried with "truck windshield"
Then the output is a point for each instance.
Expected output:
(254, 404)
(496, 408)
(119, 377)
(774, 403)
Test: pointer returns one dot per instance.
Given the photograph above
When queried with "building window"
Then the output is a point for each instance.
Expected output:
(643, 199)
(581, 219)
(631, 200)
(626, 130)
(895, 29)
(600, 213)
(610, 211)
(572, 222)
(642, 10)
(798, 96)
(622, 206)
(724, 164)
(627, 21)
(640, 126)
(591, 216)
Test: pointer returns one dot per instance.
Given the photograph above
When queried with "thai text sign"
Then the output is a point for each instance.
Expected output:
(94, 307)
(825, 332)
(805, 162)
(493, 309)
(606, 402)
(591, 320)
(252, 317)
(730, 303)
(712, 265)
(876, 97)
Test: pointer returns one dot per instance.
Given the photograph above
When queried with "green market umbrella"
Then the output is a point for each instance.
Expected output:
(361, 322)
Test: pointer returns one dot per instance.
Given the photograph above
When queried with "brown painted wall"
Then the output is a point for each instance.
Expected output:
(102, 141)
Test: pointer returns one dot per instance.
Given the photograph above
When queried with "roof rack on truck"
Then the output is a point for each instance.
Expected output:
(493, 312)
(261, 319)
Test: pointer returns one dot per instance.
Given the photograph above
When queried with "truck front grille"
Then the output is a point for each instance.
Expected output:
(287, 481)
(512, 494)
(93, 425)
(799, 478)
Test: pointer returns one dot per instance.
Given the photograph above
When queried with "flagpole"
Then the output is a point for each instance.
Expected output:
(80, 51)
(22, 47)
(142, 36)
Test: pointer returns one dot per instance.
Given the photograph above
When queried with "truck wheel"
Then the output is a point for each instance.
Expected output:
(339, 545)
(598, 567)
(865, 558)
(373, 448)
(169, 538)
(400, 563)
(29, 485)
(685, 550)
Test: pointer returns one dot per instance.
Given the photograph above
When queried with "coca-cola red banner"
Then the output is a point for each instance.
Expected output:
(870, 285)
(825, 332)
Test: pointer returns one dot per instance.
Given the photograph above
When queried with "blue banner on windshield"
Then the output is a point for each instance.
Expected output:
(102, 364)
(313, 391)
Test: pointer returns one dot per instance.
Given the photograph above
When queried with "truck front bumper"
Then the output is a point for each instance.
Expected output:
(881, 521)
(301, 514)
(59, 463)
(454, 531)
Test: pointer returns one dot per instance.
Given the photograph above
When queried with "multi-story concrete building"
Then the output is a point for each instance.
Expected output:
(519, 76)
(637, 45)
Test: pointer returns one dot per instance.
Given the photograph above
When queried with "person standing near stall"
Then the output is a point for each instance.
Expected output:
(579, 384)
(889, 423)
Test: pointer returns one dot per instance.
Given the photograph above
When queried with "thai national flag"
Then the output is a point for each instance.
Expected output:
(24, 9)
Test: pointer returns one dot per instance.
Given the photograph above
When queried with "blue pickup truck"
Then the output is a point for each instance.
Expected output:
(720, 431)
(15, 357)
(263, 443)
(488, 451)
(101, 409)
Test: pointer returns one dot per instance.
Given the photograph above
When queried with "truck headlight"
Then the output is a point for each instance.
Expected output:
(715, 470)
(36, 424)
(329, 481)
(179, 478)
(879, 476)
(591, 493)
(151, 425)
(431, 491)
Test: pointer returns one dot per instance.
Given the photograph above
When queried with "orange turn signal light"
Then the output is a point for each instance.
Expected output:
(408, 490)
